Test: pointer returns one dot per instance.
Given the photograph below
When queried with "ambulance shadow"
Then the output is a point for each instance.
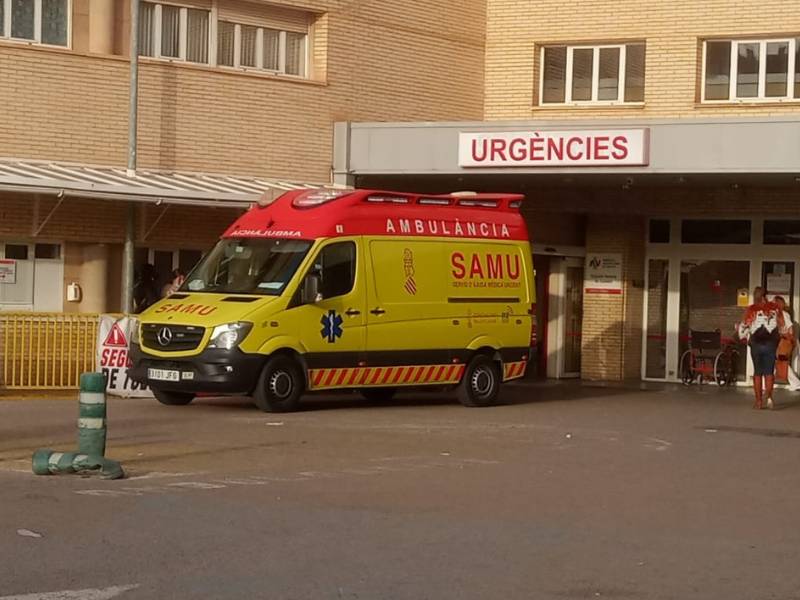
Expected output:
(317, 402)
(551, 390)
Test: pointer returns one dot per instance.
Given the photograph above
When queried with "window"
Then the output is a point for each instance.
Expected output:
(607, 74)
(784, 233)
(295, 63)
(336, 265)
(40, 21)
(17, 251)
(47, 251)
(248, 266)
(751, 70)
(261, 48)
(225, 43)
(174, 32)
(715, 231)
(659, 231)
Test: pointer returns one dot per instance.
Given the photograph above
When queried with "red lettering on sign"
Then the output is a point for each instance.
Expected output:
(498, 150)
(476, 269)
(516, 149)
(457, 261)
(601, 147)
(620, 147)
(494, 266)
(513, 272)
(537, 148)
(555, 148)
(475, 155)
(570, 145)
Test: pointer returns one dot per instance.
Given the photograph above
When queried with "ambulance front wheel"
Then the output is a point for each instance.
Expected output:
(280, 386)
(481, 383)
(173, 398)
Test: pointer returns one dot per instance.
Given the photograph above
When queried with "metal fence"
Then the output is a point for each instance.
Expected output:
(46, 350)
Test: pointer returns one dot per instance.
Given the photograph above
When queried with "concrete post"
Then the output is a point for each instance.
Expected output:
(128, 257)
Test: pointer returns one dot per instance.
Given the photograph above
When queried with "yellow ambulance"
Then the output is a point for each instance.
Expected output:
(342, 289)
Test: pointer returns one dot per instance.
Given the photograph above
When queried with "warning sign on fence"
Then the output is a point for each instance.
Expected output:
(112, 358)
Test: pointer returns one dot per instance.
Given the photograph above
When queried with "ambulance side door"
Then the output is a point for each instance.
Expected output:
(407, 312)
(332, 327)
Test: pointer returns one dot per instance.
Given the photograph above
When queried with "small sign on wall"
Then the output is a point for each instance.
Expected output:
(8, 270)
(743, 297)
(603, 274)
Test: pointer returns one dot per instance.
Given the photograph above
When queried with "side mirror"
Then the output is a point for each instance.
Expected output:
(310, 290)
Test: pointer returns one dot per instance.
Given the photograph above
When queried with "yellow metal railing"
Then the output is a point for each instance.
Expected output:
(46, 350)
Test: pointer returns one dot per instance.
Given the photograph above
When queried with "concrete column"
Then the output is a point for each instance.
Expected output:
(101, 26)
(612, 324)
(94, 277)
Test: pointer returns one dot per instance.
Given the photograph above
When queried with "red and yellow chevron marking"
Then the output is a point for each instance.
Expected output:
(514, 370)
(320, 379)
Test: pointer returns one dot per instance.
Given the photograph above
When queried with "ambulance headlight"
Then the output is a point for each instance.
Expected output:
(134, 329)
(229, 335)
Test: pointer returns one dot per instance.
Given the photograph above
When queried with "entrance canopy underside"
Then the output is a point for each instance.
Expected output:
(113, 183)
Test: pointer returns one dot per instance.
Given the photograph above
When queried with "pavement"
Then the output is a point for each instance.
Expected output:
(565, 492)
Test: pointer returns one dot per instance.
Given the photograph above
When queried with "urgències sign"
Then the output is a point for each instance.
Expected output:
(578, 148)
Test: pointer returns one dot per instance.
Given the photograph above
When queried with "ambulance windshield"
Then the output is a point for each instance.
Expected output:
(248, 266)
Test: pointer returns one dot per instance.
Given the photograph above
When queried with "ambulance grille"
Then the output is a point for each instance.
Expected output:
(171, 338)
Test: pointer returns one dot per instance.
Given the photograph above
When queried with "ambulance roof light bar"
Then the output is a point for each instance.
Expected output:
(390, 199)
(314, 198)
(480, 203)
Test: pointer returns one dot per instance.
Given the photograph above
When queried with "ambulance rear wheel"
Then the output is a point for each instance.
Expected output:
(279, 386)
(173, 398)
(481, 383)
(378, 394)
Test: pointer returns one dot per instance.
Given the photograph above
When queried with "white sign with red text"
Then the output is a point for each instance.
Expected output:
(603, 274)
(578, 148)
(8, 271)
(113, 336)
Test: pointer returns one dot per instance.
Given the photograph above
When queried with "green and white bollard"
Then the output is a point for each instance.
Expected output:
(91, 437)
(92, 415)
(50, 462)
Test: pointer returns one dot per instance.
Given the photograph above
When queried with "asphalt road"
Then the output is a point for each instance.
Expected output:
(567, 492)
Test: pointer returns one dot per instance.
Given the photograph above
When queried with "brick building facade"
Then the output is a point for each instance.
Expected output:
(709, 211)
(705, 208)
(226, 87)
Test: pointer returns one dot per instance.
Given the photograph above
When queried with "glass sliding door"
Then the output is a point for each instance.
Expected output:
(573, 319)
(657, 298)
(709, 292)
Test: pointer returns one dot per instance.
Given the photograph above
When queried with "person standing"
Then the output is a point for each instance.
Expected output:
(787, 347)
(762, 327)
(173, 285)
(145, 290)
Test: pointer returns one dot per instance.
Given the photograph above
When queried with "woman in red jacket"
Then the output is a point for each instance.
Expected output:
(762, 326)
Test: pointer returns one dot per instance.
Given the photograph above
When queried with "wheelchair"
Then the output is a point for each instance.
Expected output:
(708, 359)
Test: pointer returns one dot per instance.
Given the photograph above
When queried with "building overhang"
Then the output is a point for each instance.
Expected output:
(671, 147)
(47, 178)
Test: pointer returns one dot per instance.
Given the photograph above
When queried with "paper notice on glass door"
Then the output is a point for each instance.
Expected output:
(779, 285)
(8, 271)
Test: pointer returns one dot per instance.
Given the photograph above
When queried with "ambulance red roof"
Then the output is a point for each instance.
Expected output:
(305, 214)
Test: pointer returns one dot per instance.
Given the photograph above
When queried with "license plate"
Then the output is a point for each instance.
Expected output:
(163, 375)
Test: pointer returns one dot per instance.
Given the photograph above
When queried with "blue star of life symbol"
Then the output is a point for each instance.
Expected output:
(331, 326)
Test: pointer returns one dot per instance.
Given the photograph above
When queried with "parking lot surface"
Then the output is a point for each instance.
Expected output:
(566, 491)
